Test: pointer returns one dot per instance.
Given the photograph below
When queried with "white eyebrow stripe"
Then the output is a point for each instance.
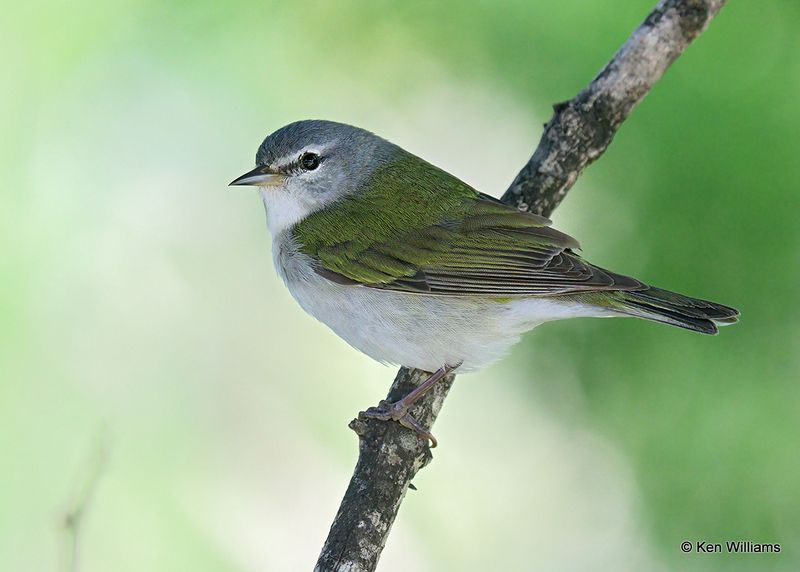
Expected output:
(289, 158)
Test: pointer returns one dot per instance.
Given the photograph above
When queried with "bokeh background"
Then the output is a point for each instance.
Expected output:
(143, 330)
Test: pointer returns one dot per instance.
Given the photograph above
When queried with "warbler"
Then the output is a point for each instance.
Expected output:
(414, 267)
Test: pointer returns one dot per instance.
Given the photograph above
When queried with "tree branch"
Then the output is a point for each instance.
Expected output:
(580, 130)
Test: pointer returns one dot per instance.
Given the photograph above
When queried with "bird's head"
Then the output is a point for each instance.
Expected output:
(307, 165)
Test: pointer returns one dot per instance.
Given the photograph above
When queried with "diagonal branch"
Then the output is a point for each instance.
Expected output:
(580, 130)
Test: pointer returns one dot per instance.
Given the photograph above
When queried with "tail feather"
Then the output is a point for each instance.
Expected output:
(676, 309)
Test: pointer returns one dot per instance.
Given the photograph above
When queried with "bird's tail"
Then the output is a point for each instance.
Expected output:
(675, 309)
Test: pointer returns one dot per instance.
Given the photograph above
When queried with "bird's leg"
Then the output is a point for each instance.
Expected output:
(399, 410)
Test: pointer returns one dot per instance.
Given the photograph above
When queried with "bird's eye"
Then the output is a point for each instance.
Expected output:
(309, 161)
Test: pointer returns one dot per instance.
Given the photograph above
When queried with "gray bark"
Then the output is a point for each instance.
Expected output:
(580, 130)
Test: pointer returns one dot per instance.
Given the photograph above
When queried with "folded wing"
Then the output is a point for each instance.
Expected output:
(478, 247)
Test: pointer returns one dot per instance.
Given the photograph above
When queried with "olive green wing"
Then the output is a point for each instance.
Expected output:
(458, 243)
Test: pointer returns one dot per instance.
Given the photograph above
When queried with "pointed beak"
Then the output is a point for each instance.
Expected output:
(259, 177)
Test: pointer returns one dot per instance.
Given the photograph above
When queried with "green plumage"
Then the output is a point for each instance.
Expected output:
(415, 228)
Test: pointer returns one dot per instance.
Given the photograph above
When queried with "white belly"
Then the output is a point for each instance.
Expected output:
(416, 330)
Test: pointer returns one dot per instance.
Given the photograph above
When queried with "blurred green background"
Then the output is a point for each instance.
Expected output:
(140, 314)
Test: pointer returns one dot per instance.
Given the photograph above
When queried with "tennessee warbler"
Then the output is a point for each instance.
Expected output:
(414, 267)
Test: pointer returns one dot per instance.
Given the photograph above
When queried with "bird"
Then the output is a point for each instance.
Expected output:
(414, 267)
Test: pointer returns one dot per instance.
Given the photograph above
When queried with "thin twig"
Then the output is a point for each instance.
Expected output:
(76, 513)
(579, 132)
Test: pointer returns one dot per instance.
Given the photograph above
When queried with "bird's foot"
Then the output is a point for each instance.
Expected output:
(399, 411)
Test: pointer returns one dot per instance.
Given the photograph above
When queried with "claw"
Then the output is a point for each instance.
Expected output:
(410, 422)
(398, 411)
